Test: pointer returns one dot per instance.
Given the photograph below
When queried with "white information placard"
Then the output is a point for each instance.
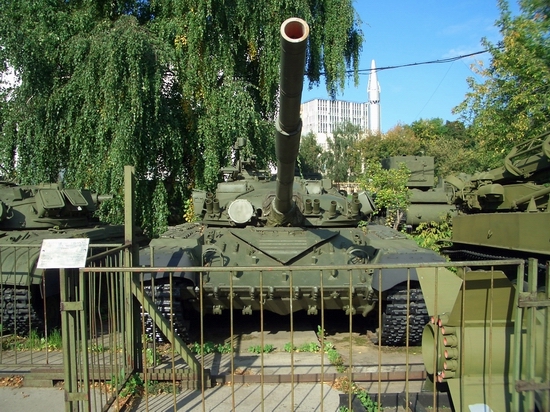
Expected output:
(63, 253)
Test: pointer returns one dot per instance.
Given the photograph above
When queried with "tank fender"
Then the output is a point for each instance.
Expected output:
(170, 256)
(392, 277)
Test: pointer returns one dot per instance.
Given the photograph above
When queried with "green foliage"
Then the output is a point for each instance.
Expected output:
(429, 234)
(366, 401)
(210, 347)
(389, 188)
(308, 347)
(450, 143)
(132, 387)
(509, 104)
(224, 348)
(320, 331)
(164, 86)
(98, 348)
(398, 141)
(341, 161)
(267, 348)
(309, 158)
(135, 386)
(336, 359)
(289, 347)
(152, 357)
(34, 341)
(189, 211)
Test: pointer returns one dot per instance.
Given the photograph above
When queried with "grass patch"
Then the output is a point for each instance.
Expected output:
(210, 347)
(34, 342)
(351, 387)
(312, 347)
(267, 348)
(336, 359)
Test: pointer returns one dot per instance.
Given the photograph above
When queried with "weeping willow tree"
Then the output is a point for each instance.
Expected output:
(164, 85)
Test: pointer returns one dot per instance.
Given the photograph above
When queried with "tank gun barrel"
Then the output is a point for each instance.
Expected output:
(294, 34)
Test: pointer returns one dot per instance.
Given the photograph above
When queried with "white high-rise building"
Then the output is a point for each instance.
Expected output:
(322, 116)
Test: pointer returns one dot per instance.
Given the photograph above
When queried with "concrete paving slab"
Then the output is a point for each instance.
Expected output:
(31, 399)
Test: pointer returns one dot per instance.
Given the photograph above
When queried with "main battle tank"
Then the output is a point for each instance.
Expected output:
(28, 215)
(253, 219)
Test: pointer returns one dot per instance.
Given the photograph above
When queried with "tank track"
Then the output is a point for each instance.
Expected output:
(394, 319)
(160, 294)
(17, 314)
(460, 254)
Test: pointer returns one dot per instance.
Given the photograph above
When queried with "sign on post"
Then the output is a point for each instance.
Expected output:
(63, 253)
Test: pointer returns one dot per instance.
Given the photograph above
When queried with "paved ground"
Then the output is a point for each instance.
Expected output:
(31, 399)
(300, 397)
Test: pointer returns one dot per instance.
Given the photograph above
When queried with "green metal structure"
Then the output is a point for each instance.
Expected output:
(429, 202)
(253, 219)
(488, 339)
(487, 342)
(28, 215)
(503, 213)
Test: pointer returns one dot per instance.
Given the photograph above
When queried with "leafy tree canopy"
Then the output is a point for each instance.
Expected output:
(310, 154)
(510, 104)
(450, 143)
(392, 196)
(341, 162)
(166, 86)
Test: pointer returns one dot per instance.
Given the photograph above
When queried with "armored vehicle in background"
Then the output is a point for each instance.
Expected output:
(28, 215)
(255, 220)
(503, 213)
(488, 335)
(429, 202)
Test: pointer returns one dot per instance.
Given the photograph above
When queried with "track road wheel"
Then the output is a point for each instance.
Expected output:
(393, 330)
(17, 315)
(170, 306)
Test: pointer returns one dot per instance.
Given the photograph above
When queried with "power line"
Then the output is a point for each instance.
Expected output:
(440, 61)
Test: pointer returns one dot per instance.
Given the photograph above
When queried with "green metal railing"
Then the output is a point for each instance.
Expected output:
(487, 292)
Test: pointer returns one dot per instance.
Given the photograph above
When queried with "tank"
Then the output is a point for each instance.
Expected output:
(28, 215)
(429, 202)
(255, 219)
(502, 211)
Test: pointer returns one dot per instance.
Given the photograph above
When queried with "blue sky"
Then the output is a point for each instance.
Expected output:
(404, 32)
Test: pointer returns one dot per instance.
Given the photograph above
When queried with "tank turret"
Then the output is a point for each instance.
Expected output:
(45, 206)
(247, 196)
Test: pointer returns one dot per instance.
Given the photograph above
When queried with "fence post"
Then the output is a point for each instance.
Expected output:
(73, 323)
(134, 342)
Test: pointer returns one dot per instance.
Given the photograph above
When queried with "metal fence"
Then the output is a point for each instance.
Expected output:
(129, 337)
(485, 343)
(30, 316)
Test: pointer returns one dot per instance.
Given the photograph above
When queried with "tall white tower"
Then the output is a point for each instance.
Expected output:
(373, 92)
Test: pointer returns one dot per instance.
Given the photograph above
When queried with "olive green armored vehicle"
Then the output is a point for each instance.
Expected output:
(503, 213)
(28, 215)
(256, 220)
(429, 202)
(486, 342)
